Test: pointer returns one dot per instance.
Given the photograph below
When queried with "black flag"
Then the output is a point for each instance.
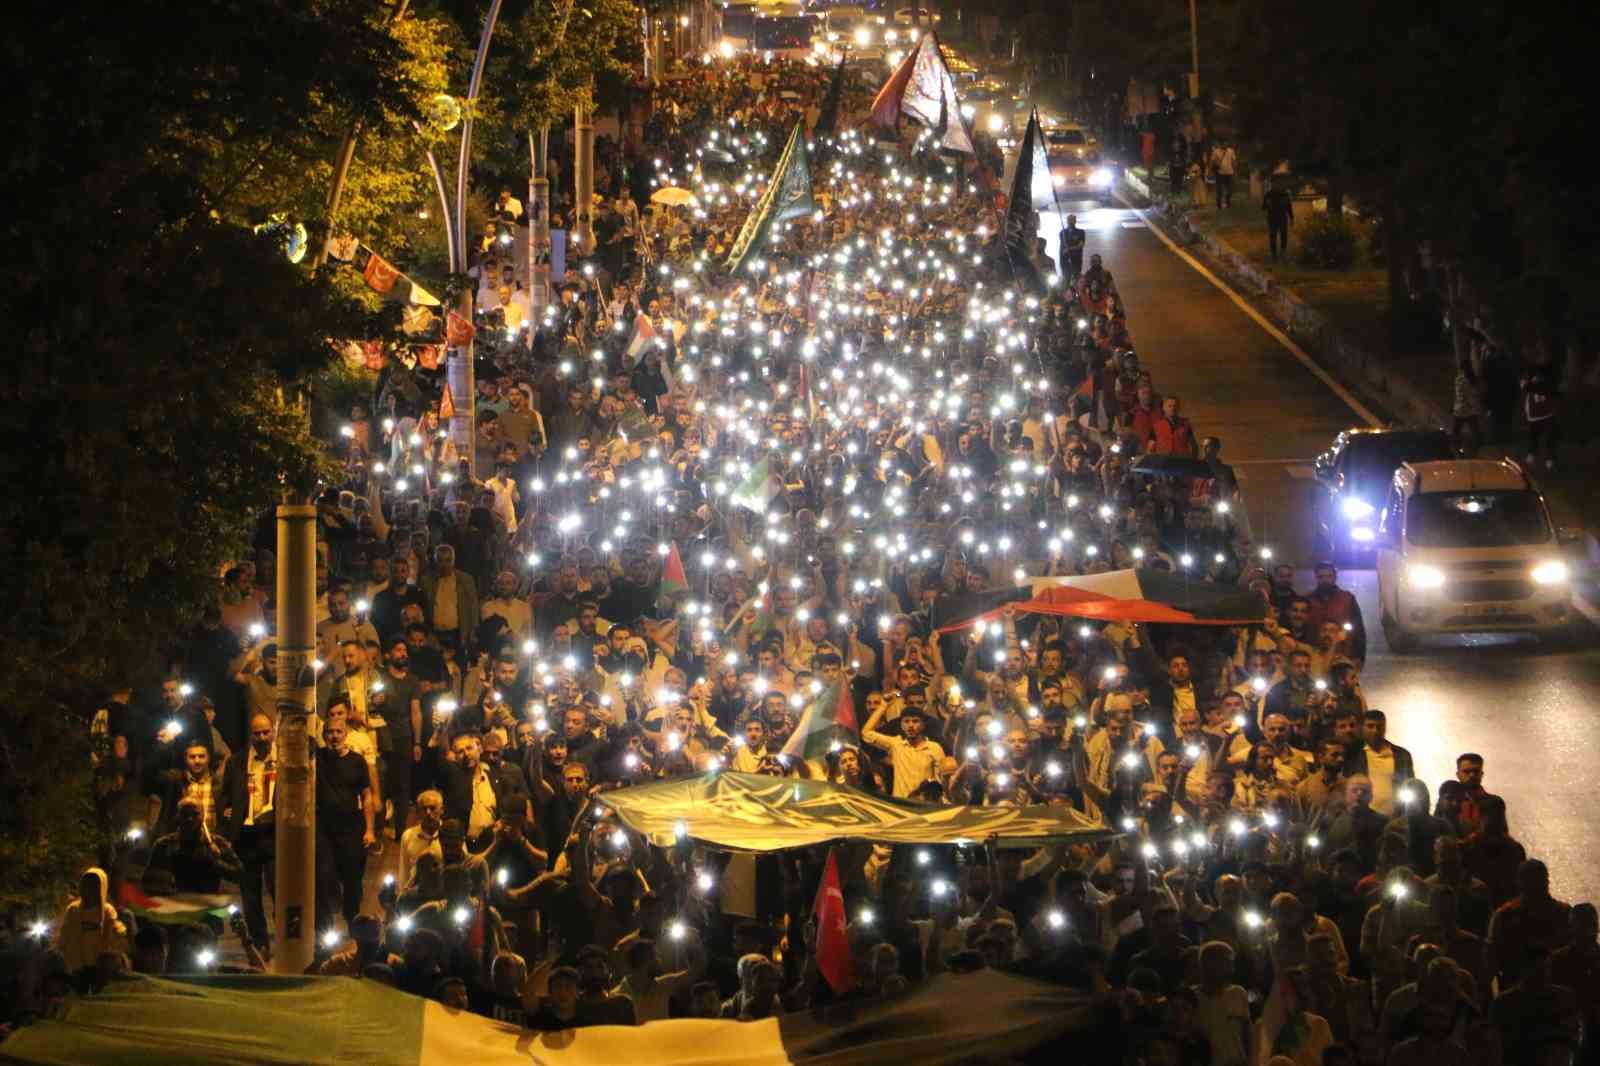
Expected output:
(830, 104)
(1020, 231)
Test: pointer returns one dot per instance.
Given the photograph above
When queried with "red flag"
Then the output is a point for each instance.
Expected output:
(886, 105)
(458, 331)
(673, 579)
(379, 274)
(372, 351)
(428, 357)
(447, 404)
(833, 942)
(844, 712)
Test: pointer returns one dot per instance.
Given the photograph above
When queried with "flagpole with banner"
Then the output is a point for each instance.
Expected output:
(834, 962)
(787, 195)
(1020, 230)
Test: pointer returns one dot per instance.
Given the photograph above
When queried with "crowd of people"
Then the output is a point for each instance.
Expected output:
(704, 501)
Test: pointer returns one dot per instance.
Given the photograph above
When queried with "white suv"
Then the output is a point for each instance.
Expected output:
(1467, 546)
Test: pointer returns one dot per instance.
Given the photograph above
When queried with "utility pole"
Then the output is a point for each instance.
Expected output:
(459, 370)
(294, 795)
(539, 295)
(583, 180)
(1194, 54)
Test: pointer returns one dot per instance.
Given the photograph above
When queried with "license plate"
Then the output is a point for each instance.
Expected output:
(1490, 610)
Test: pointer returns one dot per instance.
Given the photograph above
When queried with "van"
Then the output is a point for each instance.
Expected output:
(1467, 546)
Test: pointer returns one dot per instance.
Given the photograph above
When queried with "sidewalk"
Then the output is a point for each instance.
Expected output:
(1341, 316)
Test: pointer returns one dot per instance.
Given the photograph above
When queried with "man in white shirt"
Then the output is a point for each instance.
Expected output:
(508, 605)
(1223, 161)
(915, 758)
(748, 755)
(422, 838)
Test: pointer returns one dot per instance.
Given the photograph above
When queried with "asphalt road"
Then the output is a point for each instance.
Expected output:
(1528, 709)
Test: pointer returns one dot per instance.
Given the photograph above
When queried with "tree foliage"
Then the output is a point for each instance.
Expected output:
(154, 334)
(1459, 124)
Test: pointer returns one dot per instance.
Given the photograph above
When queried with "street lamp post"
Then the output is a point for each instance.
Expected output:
(583, 180)
(459, 372)
(294, 793)
(1194, 54)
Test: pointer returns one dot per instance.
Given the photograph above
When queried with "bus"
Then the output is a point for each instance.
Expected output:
(783, 34)
(738, 23)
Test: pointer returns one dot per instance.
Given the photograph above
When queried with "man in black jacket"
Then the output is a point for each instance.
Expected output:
(1279, 208)
(472, 792)
(248, 786)
(1388, 765)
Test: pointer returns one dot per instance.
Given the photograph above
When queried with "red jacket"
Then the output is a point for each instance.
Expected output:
(1172, 437)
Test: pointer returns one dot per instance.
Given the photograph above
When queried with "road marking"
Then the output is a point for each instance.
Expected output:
(1135, 225)
(1267, 462)
(1304, 473)
(1261, 320)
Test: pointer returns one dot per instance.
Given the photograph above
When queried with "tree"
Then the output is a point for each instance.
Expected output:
(155, 336)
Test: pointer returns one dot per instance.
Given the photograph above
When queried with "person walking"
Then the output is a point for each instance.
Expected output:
(1070, 249)
(1279, 208)
(1540, 394)
(1223, 160)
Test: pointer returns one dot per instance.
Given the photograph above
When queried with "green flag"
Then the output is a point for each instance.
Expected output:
(757, 490)
(788, 195)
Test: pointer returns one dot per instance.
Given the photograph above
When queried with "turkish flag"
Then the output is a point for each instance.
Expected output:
(379, 274)
(833, 941)
(458, 331)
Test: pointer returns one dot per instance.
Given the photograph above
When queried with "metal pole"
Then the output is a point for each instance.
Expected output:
(294, 799)
(1194, 54)
(460, 372)
(583, 180)
(538, 226)
(347, 153)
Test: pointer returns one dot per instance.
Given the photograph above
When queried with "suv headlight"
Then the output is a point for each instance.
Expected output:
(1355, 509)
(1100, 177)
(1555, 572)
(1423, 576)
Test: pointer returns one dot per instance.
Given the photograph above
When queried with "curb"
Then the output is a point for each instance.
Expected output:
(1355, 365)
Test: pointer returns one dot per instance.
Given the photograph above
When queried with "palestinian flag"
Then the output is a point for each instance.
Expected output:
(673, 579)
(1143, 595)
(828, 718)
(788, 195)
(178, 908)
(643, 334)
(953, 1019)
(758, 490)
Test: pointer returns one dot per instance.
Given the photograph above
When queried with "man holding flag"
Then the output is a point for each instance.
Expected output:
(829, 719)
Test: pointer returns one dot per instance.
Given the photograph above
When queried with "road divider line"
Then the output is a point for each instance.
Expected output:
(1362, 410)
